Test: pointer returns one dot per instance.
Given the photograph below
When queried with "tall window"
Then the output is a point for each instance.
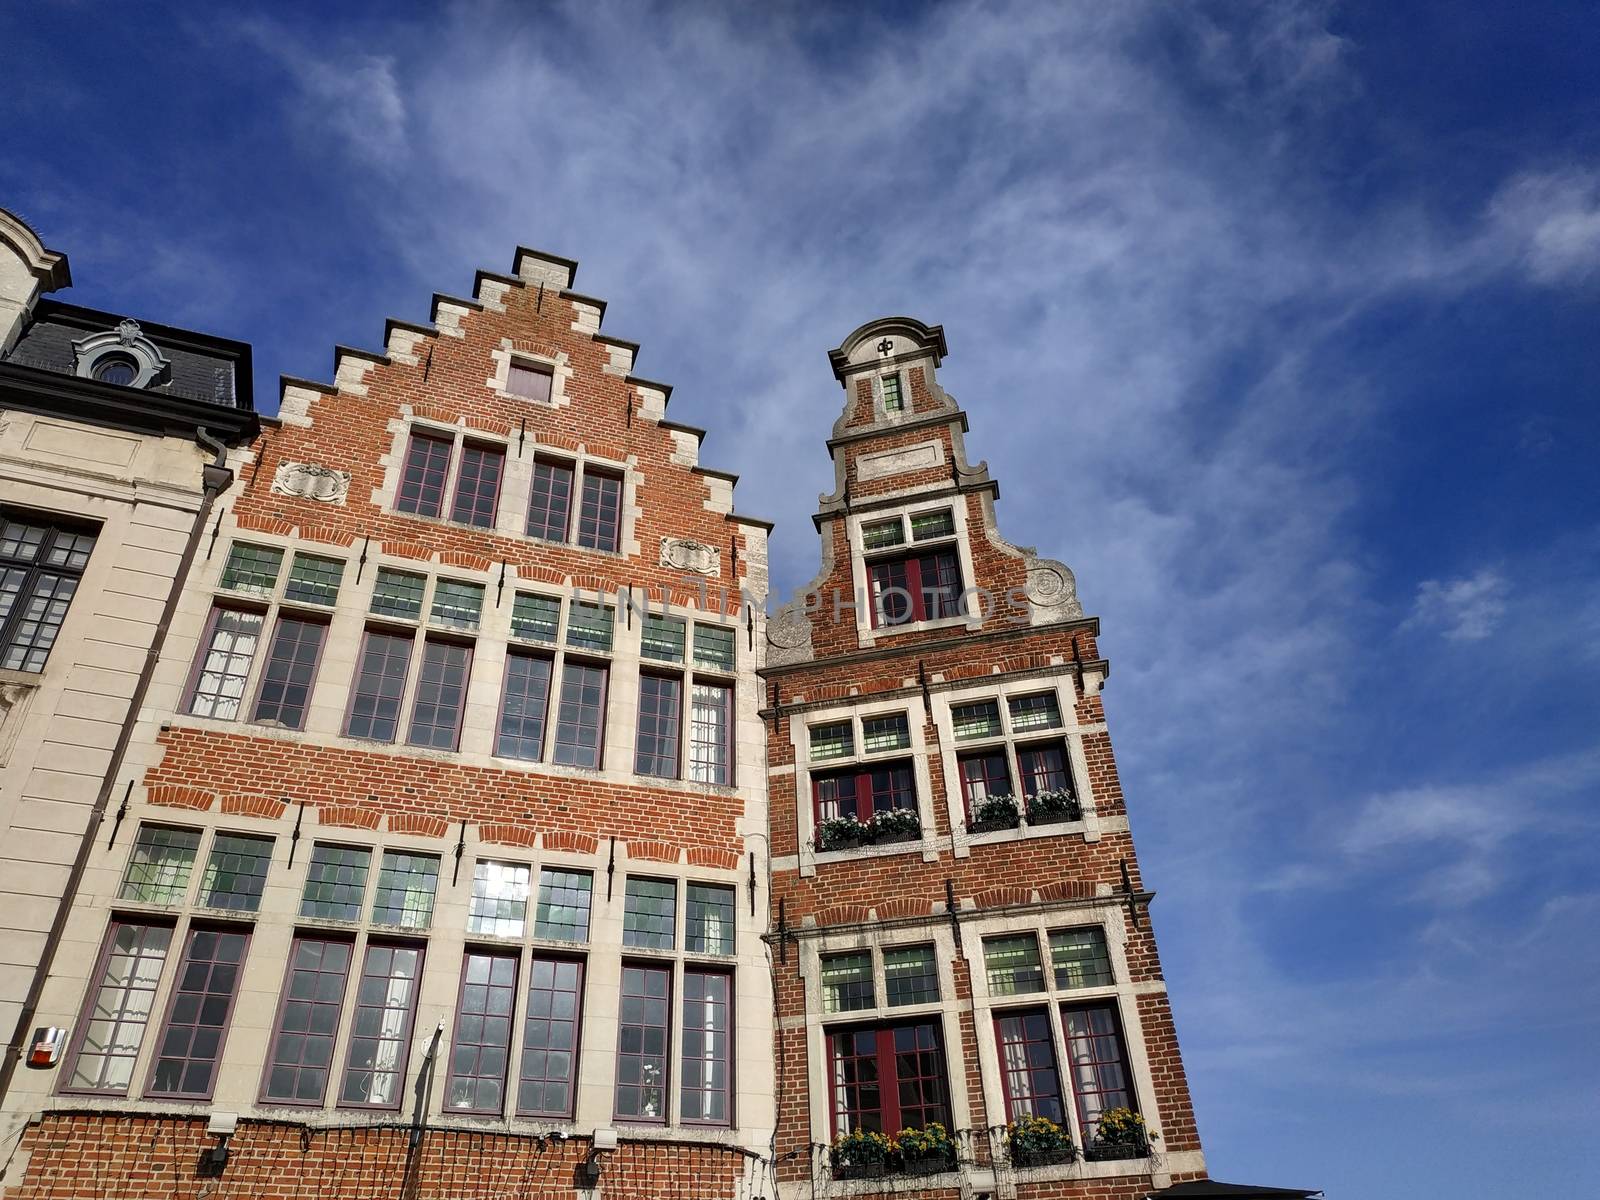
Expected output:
(482, 1045)
(594, 522)
(441, 695)
(112, 1025)
(893, 402)
(888, 1078)
(921, 579)
(41, 565)
(380, 1042)
(550, 501)
(600, 514)
(1028, 1065)
(710, 733)
(523, 705)
(550, 1037)
(478, 485)
(703, 1073)
(285, 691)
(1099, 1062)
(1007, 749)
(227, 648)
(301, 1056)
(664, 724)
(580, 718)
(656, 749)
(861, 792)
(643, 1031)
(379, 687)
(198, 1014)
(422, 479)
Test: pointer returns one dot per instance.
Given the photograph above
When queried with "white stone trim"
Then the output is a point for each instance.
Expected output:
(558, 368)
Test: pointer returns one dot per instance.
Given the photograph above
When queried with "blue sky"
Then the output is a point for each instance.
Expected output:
(1276, 321)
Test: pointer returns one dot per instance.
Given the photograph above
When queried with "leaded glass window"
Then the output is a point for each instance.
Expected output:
(876, 535)
(499, 904)
(563, 908)
(925, 526)
(159, 868)
(832, 741)
(236, 872)
(314, 579)
(649, 913)
(336, 882)
(589, 626)
(398, 594)
(713, 647)
(847, 982)
(1039, 711)
(406, 887)
(1012, 964)
(976, 720)
(535, 618)
(708, 919)
(457, 604)
(251, 568)
(887, 732)
(663, 638)
(1079, 957)
(910, 975)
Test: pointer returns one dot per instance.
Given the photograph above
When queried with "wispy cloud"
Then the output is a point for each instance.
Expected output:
(1463, 610)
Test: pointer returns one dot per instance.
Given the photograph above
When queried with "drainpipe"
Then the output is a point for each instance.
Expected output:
(214, 477)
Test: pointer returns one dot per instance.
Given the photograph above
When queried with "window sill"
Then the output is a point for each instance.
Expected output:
(874, 632)
(878, 850)
(1026, 831)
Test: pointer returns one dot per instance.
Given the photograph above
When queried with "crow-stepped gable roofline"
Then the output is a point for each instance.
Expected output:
(886, 340)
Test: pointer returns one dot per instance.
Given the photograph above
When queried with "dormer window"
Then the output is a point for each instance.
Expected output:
(923, 584)
(893, 401)
(120, 369)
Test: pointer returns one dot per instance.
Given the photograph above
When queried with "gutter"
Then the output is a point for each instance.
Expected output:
(215, 476)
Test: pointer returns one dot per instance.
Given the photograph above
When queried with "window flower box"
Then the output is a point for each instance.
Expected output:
(1038, 1142)
(1119, 1134)
(895, 825)
(995, 812)
(932, 1164)
(926, 1151)
(862, 1154)
(843, 833)
(1053, 807)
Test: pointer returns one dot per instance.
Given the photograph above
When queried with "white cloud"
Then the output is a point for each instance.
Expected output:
(1462, 610)
(1551, 222)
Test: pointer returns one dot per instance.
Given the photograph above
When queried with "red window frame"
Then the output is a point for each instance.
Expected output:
(634, 976)
(317, 998)
(1026, 1047)
(873, 788)
(991, 768)
(1090, 1054)
(296, 658)
(1038, 775)
(543, 1022)
(721, 1060)
(424, 475)
(477, 491)
(482, 1031)
(868, 1056)
(933, 579)
(203, 1015)
(402, 1039)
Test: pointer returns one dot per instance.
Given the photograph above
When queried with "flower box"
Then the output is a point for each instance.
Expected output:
(996, 812)
(932, 1164)
(1115, 1151)
(1054, 807)
(1041, 1158)
(859, 1170)
(842, 833)
(895, 825)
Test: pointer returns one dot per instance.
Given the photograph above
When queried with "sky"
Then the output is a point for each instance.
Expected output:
(1275, 321)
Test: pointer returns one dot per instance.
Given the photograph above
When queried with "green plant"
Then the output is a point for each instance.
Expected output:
(1031, 1136)
(837, 833)
(1056, 804)
(995, 812)
(1122, 1127)
(931, 1141)
(861, 1148)
(893, 824)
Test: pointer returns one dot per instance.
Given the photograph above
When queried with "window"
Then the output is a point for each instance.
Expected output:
(422, 478)
(1036, 772)
(118, 1009)
(198, 1014)
(703, 1073)
(708, 919)
(983, 776)
(227, 649)
(380, 1042)
(880, 535)
(563, 909)
(979, 720)
(1035, 712)
(643, 1031)
(159, 868)
(482, 1044)
(336, 882)
(650, 913)
(314, 579)
(499, 904)
(478, 485)
(380, 684)
(531, 383)
(550, 501)
(1012, 964)
(120, 369)
(713, 646)
(656, 748)
(847, 982)
(918, 587)
(1099, 1063)
(456, 604)
(236, 873)
(580, 718)
(1028, 1066)
(663, 638)
(596, 523)
(888, 1078)
(398, 594)
(832, 741)
(910, 975)
(535, 618)
(1043, 769)
(1079, 957)
(892, 400)
(252, 569)
(860, 792)
(406, 887)
(710, 722)
(301, 1056)
(441, 695)
(885, 733)
(600, 514)
(550, 1037)
(523, 704)
(284, 694)
(929, 525)
(589, 626)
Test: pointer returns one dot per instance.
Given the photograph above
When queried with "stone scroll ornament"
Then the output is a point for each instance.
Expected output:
(311, 482)
(686, 554)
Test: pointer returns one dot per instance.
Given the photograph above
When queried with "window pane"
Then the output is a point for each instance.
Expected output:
(563, 911)
(499, 904)
(656, 744)
(522, 707)
(847, 982)
(114, 1020)
(550, 502)
(875, 535)
(1044, 769)
(308, 1021)
(550, 1037)
(422, 478)
(642, 1038)
(589, 626)
(894, 599)
(703, 1079)
(892, 400)
(530, 383)
(441, 695)
(1035, 712)
(932, 525)
(158, 871)
(649, 914)
(1013, 965)
(291, 668)
(599, 516)
(375, 1063)
(236, 872)
(580, 719)
(832, 741)
(1079, 957)
(225, 658)
(251, 568)
(380, 682)
(535, 618)
(1098, 1063)
(482, 1046)
(713, 646)
(858, 1082)
(910, 975)
(710, 718)
(983, 776)
(69, 549)
(398, 594)
(478, 485)
(980, 719)
(663, 638)
(197, 1018)
(1028, 1062)
(336, 882)
(885, 733)
(406, 886)
(457, 604)
(36, 626)
(918, 1063)
(708, 920)
(21, 540)
(314, 579)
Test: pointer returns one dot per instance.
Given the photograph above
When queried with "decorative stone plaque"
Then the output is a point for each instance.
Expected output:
(686, 554)
(311, 482)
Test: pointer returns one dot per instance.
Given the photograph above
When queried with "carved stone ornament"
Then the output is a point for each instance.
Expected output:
(686, 554)
(1051, 587)
(311, 482)
(127, 343)
(788, 636)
